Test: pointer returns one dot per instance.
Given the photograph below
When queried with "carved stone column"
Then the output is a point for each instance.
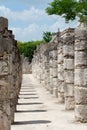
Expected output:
(81, 74)
(51, 71)
(10, 75)
(5, 121)
(68, 52)
(55, 73)
(60, 73)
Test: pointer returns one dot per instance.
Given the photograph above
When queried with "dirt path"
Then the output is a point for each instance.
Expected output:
(38, 110)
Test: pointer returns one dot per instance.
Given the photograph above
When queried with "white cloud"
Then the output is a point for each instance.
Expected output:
(29, 33)
(33, 31)
(25, 15)
(36, 22)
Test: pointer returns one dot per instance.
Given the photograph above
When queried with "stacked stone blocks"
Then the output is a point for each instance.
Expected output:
(63, 69)
(10, 75)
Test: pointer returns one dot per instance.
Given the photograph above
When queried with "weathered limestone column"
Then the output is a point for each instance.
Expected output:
(51, 70)
(37, 64)
(15, 79)
(4, 83)
(60, 73)
(47, 67)
(14, 63)
(10, 75)
(26, 65)
(55, 73)
(68, 52)
(43, 64)
(34, 64)
(46, 64)
(81, 74)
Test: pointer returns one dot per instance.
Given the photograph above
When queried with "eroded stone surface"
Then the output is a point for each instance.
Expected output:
(10, 75)
(61, 67)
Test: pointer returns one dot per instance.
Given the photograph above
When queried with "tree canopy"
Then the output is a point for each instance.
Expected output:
(69, 9)
(27, 48)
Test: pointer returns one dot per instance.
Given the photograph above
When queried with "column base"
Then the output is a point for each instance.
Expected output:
(69, 103)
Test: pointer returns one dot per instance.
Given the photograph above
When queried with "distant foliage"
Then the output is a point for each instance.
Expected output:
(27, 48)
(47, 36)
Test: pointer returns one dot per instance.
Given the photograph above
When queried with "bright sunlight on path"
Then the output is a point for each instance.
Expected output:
(37, 109)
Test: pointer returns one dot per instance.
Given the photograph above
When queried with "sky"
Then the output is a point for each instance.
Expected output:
(28, 19)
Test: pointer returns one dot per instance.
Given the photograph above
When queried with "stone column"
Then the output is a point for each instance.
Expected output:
(14, 63)
(68, 52)
(4, 83)
(47, 72)
(81, 74)
(51, 71)
(60, 73)
(55, 73)
(10, 75)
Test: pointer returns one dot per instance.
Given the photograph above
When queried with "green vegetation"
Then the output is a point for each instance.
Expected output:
(27, 48)
(69, 9)
(47, 36)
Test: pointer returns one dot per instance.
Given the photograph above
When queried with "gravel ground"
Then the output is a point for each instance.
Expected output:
(37, 109)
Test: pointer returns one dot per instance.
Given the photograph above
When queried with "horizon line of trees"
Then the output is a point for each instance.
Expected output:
(27, 48)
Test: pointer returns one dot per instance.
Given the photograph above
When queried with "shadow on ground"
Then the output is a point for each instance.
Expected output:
(27, 91)
(31, 122)
(27, 88)
(28, 97)
(33, 103)
(24, 111)
(27, 94)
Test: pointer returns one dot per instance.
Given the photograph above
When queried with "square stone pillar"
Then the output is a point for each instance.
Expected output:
(60, 73)
(80, 80)
(68, 52)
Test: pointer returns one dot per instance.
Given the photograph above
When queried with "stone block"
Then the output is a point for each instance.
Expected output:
(61, 76)
(61, 87)
(51, 63)
(51, 71)
(80, 77)
(80, 45)
(69, 76)
(3, 24)
(54, 72)
(69, 90)
(80, 95)
(81, 33)
(69, 103)
(68, 50)
(54, 64)
(60, 48)
(81, 113)
(55, 55)
(60, 58)
(5, 124)
(61, 97)
(3, 67)
(55, 82)
(60, 68)
(68, 64)
(80, 58)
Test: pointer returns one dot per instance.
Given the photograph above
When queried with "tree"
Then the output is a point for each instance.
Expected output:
(27, 48)
(47, 36)
(69, 9)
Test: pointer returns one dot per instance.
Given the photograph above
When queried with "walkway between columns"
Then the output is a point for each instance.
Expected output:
(38, 110)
